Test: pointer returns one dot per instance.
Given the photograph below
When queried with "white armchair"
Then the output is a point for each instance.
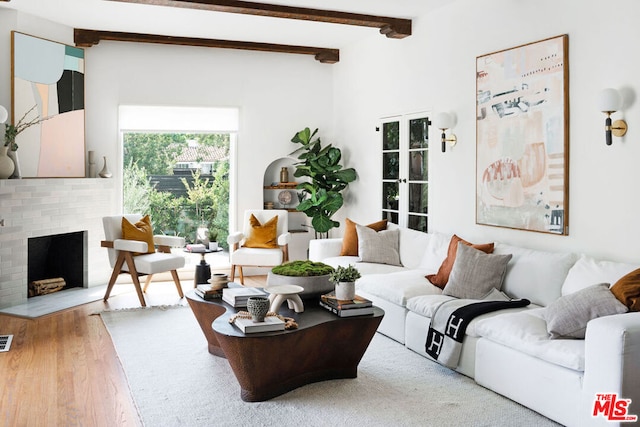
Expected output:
(122, 259)
(259, 257)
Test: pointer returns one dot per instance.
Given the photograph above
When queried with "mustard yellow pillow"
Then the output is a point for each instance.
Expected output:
(141, 231)
(262, 236)
(350, 238)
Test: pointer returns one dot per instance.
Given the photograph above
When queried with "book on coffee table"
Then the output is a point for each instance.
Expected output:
(248, 326)
(356, 302)
(238, 296)
(349, 312)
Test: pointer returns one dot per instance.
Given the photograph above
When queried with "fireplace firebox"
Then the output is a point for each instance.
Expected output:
(59, 256)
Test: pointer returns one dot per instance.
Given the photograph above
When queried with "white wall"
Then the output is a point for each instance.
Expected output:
(434, 69)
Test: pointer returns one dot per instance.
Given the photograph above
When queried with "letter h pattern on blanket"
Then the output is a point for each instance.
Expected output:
(449, 325)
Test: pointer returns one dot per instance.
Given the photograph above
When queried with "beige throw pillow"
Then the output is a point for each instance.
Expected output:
(567, 317)
(378, 247)
(475, 273)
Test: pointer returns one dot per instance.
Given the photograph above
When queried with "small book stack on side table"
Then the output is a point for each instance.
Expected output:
(358, 306)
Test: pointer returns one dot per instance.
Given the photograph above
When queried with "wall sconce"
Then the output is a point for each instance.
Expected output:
(610, 101)
(444, 121)
(4, 114)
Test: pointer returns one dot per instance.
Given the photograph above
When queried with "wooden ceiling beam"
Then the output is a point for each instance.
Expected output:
(396, 28)
(88, 38)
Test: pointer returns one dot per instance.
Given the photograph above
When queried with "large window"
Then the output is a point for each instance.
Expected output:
(181, 178)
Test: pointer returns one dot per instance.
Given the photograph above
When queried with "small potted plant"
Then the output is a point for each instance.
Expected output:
(213, 239)
(344, 279)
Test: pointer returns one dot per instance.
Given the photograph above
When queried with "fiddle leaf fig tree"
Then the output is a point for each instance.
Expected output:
(327, 179)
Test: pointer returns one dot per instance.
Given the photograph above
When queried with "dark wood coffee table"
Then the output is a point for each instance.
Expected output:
(268, 364)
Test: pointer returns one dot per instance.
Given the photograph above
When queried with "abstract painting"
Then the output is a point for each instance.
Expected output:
(50, 77)
(522, 137)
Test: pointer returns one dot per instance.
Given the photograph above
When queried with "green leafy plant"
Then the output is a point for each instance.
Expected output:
(327, 180)
(304, 268)
(213, 234)
(345, 274)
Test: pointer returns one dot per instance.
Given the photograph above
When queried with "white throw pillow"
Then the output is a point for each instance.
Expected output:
(436, 251)
(475, 273)
(588, 271)
(378, 247)
(535, 275)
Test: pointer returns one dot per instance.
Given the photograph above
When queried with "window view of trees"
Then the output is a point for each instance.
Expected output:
(181, 180)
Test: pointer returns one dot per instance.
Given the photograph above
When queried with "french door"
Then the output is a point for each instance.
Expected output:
(405, 170)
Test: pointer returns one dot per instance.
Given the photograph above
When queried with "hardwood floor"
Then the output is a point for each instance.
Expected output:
(62, 369)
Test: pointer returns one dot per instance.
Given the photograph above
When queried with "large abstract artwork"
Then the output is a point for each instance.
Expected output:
(522, 147)
(49, 76)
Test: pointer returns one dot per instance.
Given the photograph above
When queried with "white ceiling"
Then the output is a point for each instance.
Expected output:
(118, 16)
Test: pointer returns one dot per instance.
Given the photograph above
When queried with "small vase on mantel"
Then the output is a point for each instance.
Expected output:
(13, 155)
(6, 164)
(105, 172)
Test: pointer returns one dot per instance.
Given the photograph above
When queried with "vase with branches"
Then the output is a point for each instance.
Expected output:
(11, 132)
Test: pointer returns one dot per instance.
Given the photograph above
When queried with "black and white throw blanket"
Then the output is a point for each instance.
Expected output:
(449, 324)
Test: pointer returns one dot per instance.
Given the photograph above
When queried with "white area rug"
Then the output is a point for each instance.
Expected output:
(176, 382)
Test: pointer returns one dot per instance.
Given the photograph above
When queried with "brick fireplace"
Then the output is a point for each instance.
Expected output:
(32, 208)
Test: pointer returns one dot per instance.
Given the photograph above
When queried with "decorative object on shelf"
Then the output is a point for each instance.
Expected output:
(6, 164)
(92, 164)
(268, 205)
(344, 279)
(105, 172)
(284, 175)
(327, 180)
(522, 182)
(13, 155)
(444, 121)
(285, 197)
(610, 101)
(12, 131)
(258, 308)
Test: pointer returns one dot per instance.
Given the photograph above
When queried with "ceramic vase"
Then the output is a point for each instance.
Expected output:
(92, 164)
(284, 174)
(6, 164)
(13, 155)
(105, 172)
(258, 308)
(346, 290)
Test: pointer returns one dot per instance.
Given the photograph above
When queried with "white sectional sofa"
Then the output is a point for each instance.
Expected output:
(510, 351)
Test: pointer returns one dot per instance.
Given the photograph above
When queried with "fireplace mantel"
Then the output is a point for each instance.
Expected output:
(40, 207)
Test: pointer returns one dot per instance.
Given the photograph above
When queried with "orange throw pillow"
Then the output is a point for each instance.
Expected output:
(627, 290)
(350, 238)
(262, 236)
(441, 278)
(141, 231)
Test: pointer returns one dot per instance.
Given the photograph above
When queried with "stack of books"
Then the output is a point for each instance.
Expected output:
(209, 292)
(248, 326)
(238, 296)
(196, 248)
(358, 306)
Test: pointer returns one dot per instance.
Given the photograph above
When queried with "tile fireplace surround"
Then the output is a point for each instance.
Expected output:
(41, 207)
